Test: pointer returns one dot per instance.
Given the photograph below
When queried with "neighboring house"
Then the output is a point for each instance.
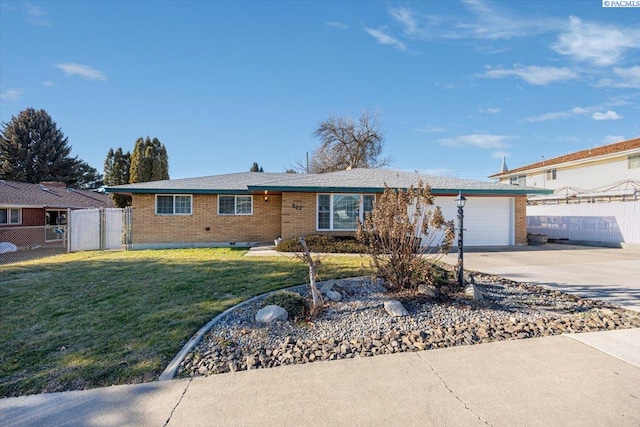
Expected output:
(586, 170)
(596, 194)
(246, 208)
(35, 214)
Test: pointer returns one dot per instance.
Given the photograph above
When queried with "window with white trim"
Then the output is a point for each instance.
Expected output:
(341, 211)
(634, 161)
(173, 204)
(10, 216)
(551, 174)
(518, 180)
(235, 205)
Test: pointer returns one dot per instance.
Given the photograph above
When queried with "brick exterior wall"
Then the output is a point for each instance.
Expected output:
(299, 212)
(262, 226)
(520, 220)
(287, 215)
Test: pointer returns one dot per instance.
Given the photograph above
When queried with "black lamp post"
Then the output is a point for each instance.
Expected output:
(460, 201)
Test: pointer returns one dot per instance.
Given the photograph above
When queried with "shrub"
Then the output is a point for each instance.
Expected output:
(323, 244)
(295, 304)
(400, 231)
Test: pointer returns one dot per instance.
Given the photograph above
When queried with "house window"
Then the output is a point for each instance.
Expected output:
(10, 216)
(235, 205)
(634, 161)
(342, 211)
(173, 205)
(518, 180)
(551, 174)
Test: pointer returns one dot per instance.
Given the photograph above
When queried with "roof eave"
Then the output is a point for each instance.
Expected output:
(115, 190)
(541, 168)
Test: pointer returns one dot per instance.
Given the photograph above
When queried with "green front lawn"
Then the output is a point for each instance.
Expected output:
(91, 319)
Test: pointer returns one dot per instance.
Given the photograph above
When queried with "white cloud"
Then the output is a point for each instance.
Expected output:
(489, 110)
(36, 15)
(386, 39)
(533, 74)
(406, 19)
(611, 139)
(483, 22)
(431, 129)
(609, 115)
(626, 78)
(596, 43)
(48, 83)
(485, 141)
(493, 24)
(11, 94)
(556, 115)
(84, 71)
(338, 24)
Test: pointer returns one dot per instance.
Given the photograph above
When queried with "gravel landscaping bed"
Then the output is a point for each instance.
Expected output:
(359, 326)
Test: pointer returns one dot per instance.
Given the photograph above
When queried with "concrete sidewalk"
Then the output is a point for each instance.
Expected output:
(543, 381)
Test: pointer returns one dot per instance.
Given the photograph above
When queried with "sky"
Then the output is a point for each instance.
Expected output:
(458, 85)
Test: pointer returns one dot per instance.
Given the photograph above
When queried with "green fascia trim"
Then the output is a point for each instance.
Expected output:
(172, 191)
(359, 190)
(490, 192)
(436, 191)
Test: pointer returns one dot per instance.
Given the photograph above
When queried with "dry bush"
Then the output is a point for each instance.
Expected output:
(404, 234)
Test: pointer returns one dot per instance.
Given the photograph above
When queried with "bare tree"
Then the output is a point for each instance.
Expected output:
(403, 234)
(345, 143)
(316, 298)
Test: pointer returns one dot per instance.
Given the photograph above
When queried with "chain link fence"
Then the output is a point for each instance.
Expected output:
(27, 243)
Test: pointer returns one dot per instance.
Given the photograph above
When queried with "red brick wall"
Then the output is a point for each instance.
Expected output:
(30, 217)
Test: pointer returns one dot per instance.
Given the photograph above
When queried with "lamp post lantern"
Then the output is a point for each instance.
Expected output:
(460, 201)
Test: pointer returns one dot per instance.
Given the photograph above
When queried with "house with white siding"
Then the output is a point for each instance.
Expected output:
(596, 194)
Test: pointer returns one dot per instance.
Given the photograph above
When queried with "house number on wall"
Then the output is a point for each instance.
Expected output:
(296, 207)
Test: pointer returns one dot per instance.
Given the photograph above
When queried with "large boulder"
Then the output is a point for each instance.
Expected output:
(395, 308)
(333, 295)
(428, 290)
(271, 313)
(327, 286)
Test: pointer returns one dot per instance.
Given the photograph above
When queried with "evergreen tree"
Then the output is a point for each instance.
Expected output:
(256, 168)
(149, 161)
(116, 172)
(90, 178)
(33, 149)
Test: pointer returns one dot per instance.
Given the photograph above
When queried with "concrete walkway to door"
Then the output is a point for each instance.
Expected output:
(607, 274)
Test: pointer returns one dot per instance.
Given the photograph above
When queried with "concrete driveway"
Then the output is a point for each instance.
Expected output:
(608, 274)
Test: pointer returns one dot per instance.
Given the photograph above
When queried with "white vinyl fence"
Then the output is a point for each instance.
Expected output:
(96, 229)
(613, 222)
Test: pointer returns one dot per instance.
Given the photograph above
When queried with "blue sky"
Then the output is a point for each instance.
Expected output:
(458, 84)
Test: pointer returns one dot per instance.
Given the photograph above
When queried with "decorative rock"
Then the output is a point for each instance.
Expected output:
(357, 327)
(395, 308)
(270, 313)
(334, 295)
(327, 286)
(473, 291)
(428, 290)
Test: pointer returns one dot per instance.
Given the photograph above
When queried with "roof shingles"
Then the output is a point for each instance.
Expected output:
(354, 180)
(22, 194)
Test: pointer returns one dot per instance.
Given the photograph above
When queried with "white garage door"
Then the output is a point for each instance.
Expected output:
(489, 221)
